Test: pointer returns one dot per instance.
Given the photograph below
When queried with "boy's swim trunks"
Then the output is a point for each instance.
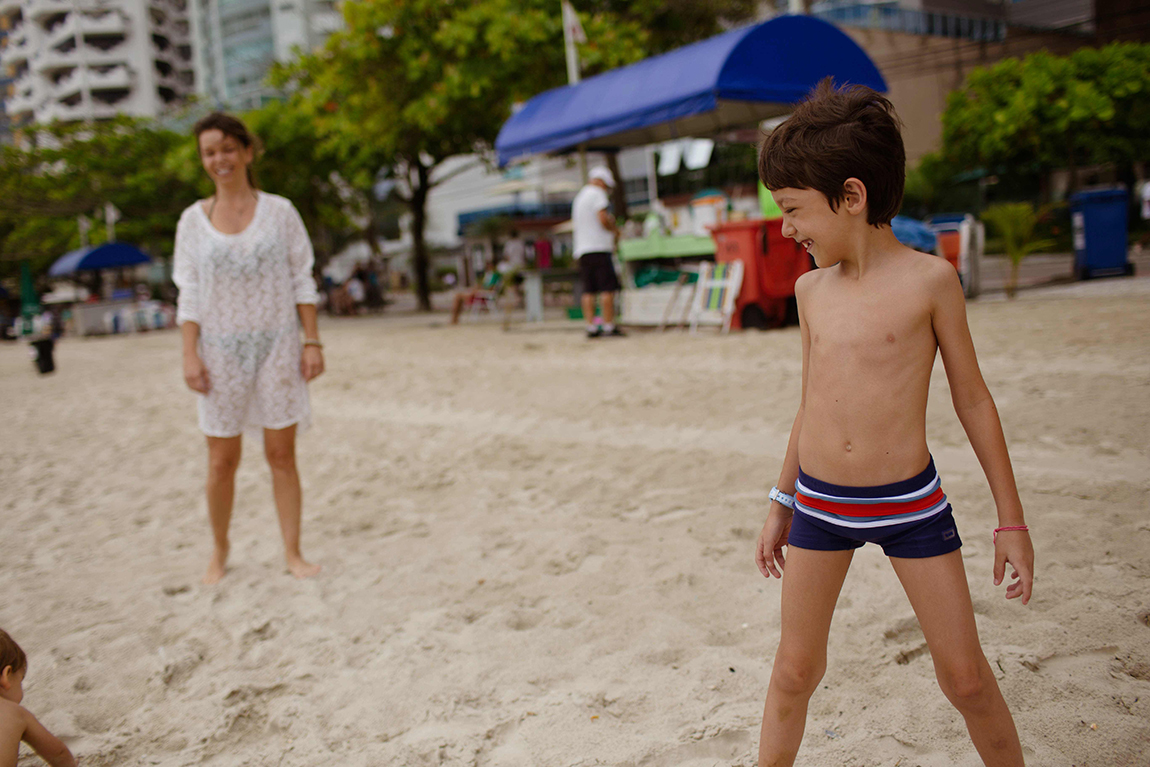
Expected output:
(910, 519)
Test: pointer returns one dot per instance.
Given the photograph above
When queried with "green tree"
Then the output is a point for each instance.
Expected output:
(410, 83)
(73, 170)
(1015, 223)
(1045, 112)
(673, 23)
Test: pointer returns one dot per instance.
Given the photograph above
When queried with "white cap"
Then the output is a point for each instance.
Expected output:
(601, 173)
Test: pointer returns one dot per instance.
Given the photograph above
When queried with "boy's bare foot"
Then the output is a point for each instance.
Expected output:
(217, 567)
(302, 569)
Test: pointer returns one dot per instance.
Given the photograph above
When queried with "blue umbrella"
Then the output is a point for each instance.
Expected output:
(107, 256)
(913, 233)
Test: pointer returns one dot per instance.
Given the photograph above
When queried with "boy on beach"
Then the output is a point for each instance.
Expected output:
(16, 722)
(857, 467)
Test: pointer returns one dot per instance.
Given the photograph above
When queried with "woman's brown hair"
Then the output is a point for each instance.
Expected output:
(836, 134)
(234, 127)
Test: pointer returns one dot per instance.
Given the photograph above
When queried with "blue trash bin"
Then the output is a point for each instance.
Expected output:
(1098, 217)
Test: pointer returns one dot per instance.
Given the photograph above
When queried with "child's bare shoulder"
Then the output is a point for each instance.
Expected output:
(13, 723)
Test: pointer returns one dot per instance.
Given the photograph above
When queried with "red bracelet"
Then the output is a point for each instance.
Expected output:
(997, 530)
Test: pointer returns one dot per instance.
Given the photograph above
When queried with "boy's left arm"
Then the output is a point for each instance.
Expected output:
(50, 748)
(979, 418)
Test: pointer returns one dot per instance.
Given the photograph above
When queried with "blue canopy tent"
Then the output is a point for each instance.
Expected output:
(735, 79)
(107, 256)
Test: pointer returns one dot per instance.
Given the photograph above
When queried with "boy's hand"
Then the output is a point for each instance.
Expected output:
(1014, 546)
(769, 552)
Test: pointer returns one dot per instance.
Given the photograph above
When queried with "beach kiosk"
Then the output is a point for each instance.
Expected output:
(708, 89)
(120, 312)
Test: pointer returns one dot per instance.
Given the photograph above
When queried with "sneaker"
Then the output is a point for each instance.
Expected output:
(616, 332)
(596, 333)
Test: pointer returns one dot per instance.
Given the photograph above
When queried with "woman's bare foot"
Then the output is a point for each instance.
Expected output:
(217, 567)
(302, 569)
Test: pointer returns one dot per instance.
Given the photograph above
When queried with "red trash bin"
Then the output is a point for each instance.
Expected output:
(771, 265)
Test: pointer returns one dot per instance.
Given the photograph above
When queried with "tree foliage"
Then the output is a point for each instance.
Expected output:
(1016, 224)
(1045, 112)
(410, 83)
(72, 170)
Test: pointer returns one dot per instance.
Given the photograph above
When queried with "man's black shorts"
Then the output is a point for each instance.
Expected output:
(598, 273)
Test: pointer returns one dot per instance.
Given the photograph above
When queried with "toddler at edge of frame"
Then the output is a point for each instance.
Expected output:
(16, 722)
(857, 470)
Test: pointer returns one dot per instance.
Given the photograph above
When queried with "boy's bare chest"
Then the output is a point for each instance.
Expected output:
(873, 327)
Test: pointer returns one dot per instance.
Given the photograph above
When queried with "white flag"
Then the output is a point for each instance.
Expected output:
(571, 25)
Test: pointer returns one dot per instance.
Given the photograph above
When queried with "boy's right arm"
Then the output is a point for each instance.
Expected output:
(50, 748)
(769, 552)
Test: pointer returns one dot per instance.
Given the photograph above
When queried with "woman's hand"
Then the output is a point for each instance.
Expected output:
(776, 530)
(195, 374)
(311, 362)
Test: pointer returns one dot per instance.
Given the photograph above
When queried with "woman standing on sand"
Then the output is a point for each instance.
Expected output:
(243, 265)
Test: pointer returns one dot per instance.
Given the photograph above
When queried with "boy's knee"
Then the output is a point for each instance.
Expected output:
(964, 685)
(798, 675)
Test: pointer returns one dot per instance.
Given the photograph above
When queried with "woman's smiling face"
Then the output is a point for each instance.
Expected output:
(225, 158)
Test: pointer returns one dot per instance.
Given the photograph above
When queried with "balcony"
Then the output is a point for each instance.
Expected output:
(39, 9)
(14, 53)
(107, 26)
(51, 60)
(55, 110)
(18, 35)
(115, 78)
(20, 104)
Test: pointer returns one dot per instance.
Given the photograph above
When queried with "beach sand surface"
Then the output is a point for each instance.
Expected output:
(538, 550)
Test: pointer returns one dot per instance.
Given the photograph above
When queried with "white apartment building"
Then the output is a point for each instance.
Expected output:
(94, 59)
(237, 41)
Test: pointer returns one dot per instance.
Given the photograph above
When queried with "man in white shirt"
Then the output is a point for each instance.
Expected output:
(595, 234)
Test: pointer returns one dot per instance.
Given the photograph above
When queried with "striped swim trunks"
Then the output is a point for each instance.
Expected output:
(909, 519)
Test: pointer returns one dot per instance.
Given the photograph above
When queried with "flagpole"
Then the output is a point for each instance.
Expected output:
(571, 29)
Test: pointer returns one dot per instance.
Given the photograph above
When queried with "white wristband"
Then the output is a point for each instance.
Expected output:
(783, 498)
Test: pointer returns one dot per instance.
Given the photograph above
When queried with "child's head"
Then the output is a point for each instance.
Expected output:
(13, 664)
(840, 152)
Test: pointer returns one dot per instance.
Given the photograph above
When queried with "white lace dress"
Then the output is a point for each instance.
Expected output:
(242, 289)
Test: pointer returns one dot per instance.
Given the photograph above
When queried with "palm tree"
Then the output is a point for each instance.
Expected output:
(1015, 222)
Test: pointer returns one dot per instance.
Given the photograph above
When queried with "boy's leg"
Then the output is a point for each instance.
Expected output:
(940, 596)
(811, 584)
(223, 459)
(279, 447)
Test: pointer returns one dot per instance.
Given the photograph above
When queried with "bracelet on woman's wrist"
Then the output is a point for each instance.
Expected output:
(313, 342)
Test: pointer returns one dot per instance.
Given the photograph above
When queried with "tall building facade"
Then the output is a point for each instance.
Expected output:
(94, 59)
(237, 41)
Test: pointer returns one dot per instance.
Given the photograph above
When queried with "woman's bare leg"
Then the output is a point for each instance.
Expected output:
(279, 447)
(812, 581)
(940, 597)
(223, 459)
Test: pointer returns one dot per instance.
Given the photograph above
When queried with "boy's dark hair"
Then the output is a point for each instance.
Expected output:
(234, 127)
(836, 134)
(11, 654)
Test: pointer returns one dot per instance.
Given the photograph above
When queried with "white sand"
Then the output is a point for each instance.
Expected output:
(539, 551)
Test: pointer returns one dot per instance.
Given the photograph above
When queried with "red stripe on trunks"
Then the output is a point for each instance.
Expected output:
(872, 509)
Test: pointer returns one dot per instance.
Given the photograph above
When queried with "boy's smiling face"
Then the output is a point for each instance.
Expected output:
(12, 684)
(809, 221)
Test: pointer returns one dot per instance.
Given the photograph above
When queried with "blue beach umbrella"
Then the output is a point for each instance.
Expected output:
(107, 256)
